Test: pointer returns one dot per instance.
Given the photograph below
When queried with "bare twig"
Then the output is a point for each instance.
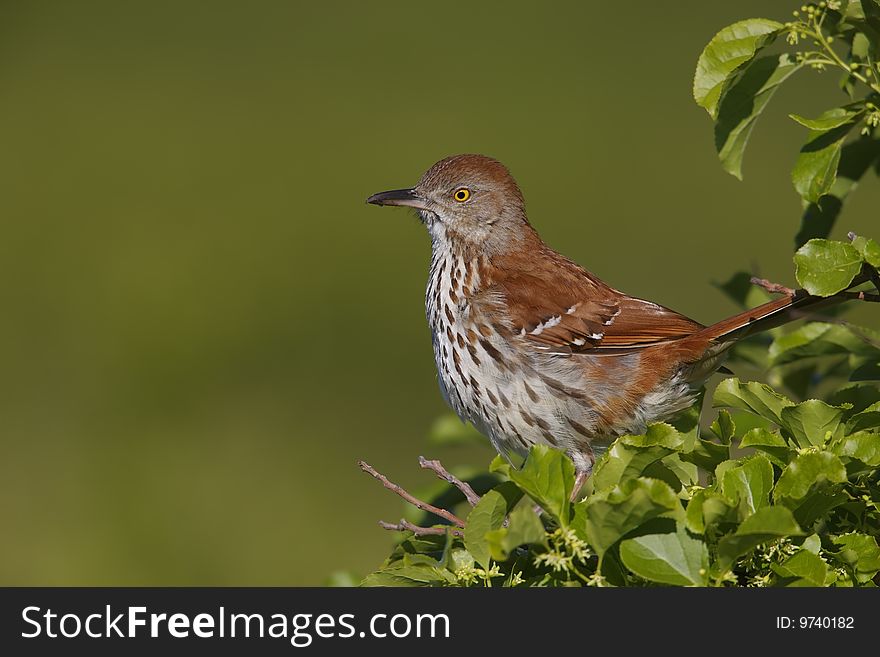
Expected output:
(776, 288)
(861, 296)
(419, 504)
(437, 468)
(773, 288)
(407, 526)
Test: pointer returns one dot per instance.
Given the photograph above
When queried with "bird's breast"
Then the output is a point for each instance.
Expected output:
(519, 395)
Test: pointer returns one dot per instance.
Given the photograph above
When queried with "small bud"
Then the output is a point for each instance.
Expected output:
(853, 66)
(829, 39)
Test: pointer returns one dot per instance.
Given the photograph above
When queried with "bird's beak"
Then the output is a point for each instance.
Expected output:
(407, 197)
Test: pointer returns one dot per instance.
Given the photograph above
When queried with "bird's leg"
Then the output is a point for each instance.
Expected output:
(581, 475)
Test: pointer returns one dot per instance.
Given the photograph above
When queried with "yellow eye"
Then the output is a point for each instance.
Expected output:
(462, 194)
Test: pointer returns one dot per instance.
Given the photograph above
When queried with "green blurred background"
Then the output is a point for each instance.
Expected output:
(203, 325)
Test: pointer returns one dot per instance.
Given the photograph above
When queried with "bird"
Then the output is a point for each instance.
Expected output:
(533, 349)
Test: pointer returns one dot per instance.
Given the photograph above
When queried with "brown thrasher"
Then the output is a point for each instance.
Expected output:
(532, 348)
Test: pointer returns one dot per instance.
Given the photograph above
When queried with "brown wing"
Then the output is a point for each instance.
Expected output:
(564, 309)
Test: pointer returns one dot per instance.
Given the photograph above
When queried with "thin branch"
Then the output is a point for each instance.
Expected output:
(861, 296)
(437, 468)
(773, 288)
(407, 526)
(776, 288)
(416, 502)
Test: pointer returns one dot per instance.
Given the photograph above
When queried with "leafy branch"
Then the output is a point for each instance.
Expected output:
(736, 78)
(809, 25)
(790, 499)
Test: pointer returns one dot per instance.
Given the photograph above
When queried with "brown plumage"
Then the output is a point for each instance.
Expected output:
(532, 348)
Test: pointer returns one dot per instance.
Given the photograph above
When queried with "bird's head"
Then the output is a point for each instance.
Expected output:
(471, 201)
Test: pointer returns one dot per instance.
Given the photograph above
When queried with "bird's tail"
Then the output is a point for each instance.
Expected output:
(774, 313)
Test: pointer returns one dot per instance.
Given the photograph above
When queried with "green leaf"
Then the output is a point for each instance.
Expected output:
(867, 419)
(728, 50)
(825, 267)
(432, 545)
(487, 515)
(766, 524)
(815, 170)
(677, 559)
(817, 504)
(611, 515)
(754, 397)
(803, 568)
(621, 462)
(459, 558)
(831, 119)
(660, 471)
(854, 10)
(613, 570)
(744, 100)
(687, 474)
(805, 471)
(769, 442)
(706, 509)
(862, 446)
(525, 528)
(657, 435)
(749, 484)
(548, 478)
(724, 427)
(812, 543)
(856, 158)
(861, 553)
(812, 422)
(861, 46)
(419, 575)
(859, 396)
(500, 466)
(869, 250)
(817, 339)
(706, 454)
